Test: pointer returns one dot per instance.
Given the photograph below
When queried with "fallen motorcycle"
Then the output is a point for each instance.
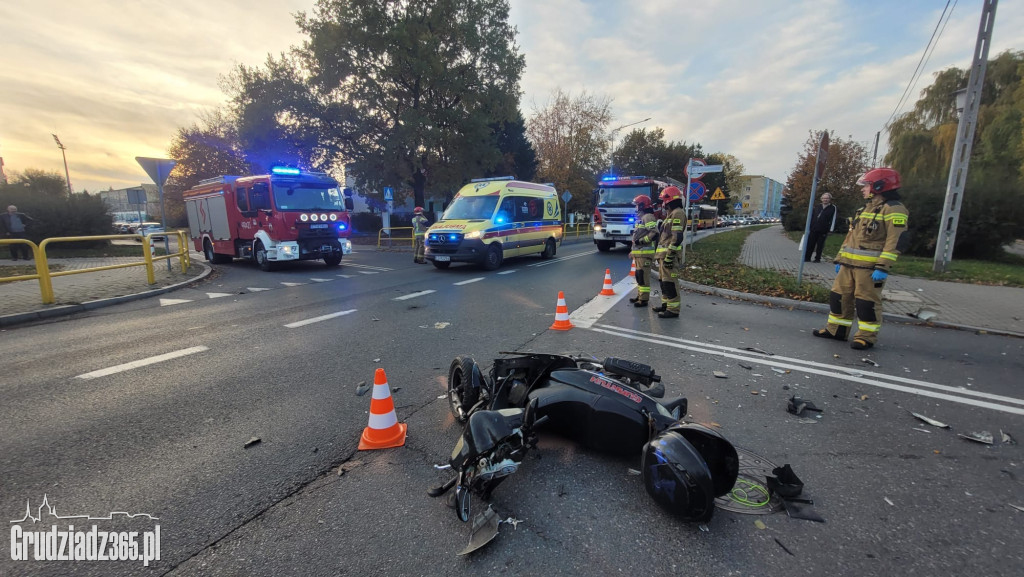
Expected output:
(598, 404)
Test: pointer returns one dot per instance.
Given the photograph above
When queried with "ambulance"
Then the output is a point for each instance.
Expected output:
(492, 219)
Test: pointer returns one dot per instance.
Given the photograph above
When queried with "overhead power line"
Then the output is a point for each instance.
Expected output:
(940, 27)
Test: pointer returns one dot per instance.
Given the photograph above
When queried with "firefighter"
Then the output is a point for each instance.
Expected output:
(645, 244)
(877, 235)
(419, 229)
(670, 250)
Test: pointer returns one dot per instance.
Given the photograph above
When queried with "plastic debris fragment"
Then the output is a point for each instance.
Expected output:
(633, 472)
(780, 371)
(361, 388)
(719, 374)
(922, 430)
(753, 350)
(512, 521)
(760, 524)
(982, 437)
(931, 422)
(253, 441)
(868, 361)
(1017, 507)
(748, 367)
(889, 502)
(1006, 438)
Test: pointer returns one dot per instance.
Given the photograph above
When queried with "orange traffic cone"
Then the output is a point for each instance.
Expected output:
(608, 290)
(562, 322)
(632, 269)
(384, 431)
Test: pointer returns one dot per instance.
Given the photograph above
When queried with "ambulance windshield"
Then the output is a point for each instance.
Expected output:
(307, 196)
(471, 208)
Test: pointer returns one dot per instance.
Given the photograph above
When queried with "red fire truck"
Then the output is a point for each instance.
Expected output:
(614, 213)
(287, 215)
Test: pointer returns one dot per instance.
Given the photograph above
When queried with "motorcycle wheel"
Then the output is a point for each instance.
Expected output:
(462, 499)
(462, 395)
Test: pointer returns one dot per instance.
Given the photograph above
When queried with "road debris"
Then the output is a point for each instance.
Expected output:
(1017, 507)
(889, 502)
(719, 374)
(1006, 438)
(760, 524)
(251, 442)
(784, 548)
(633, 472)
(931, 422)
(781, 371)
(922, 430)
(361, 388)
(441, 325)
(748, 367)
(863, 397)
(868, 361)
(982, 437)
(512, 521)
(753, 350)
(798, 406)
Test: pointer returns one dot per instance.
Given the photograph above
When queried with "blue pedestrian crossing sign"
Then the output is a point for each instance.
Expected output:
(737, 206)
(389, 193)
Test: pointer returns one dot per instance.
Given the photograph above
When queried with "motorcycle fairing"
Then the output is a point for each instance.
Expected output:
(486, 428)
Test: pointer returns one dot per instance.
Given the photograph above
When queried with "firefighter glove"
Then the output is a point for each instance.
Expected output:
(837, 267)
(879, 275)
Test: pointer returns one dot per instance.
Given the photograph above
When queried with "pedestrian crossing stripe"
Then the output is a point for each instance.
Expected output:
(169, 302)
(321, 279)
(293, 283)
(256, 289)
(218, 295)
(367, 272)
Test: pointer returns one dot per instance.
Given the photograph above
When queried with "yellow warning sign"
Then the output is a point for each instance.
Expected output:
(718, 194)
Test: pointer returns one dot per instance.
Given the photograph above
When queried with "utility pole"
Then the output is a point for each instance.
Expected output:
(62, 148)
(964, 141)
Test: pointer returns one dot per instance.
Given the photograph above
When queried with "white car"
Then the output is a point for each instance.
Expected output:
(154, 229)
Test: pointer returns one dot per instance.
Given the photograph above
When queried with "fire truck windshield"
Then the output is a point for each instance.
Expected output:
(620, 195)
(307, 196)
(471, 208)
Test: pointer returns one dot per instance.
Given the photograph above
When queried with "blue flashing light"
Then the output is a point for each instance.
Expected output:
(285, 170)
(341, 226)
(605, 178)
(499, 220)
(632, 219)
(453, 237)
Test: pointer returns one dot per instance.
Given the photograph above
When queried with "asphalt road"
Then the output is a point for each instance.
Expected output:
(278, 356)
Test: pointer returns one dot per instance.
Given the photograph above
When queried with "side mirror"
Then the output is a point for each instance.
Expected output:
(349, 205)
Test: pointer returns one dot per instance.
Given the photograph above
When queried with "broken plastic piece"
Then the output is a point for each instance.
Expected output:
(982, 437)
(760, 524)
(780, 371)
(784, 548)
(931, 422)
(748, 367)
(361, 388)
(922, 430)
(1006, 438)
(868, 361)
(719, 374)
(889, 502)
(1017, 507)
(252, 441)
(632, 472)
(753, 350)
(513, 521)
(784, 482)
(798, 510)
(798, 406)
(485, 528)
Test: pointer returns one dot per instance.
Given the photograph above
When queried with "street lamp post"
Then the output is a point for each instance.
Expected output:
(62, 148)
(611, 157)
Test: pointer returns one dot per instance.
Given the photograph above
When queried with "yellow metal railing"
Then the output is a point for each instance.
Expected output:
(389, 239)
(578, 230)
(44, 276)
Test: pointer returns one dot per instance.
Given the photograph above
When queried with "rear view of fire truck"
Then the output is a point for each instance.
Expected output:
(287, 215)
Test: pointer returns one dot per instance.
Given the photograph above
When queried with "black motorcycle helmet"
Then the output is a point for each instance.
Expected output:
(686, 467)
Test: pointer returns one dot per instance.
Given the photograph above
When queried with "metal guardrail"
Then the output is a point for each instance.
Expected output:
(44, 276)
(578, 230)
(390, 238)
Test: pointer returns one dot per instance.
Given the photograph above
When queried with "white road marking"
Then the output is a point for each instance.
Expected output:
(256, 289)
(291, 284)
(321, 279)
(590, 313)
(507, 271)
(413, 295)
(367, 271)
(345, 275)
(948, 393)
(470, 281)
(142, 363)
(562, 258)
(219, 295)
(380, 268)
(318, 319)
(169, 302)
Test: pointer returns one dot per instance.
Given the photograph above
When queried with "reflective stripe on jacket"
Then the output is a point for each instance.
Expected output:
(645, 235)
(873, 240)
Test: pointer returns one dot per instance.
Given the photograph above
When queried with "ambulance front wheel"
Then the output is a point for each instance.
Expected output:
(549, 249)
(494, 256)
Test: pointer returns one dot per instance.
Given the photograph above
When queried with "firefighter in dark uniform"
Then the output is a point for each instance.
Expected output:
(878, 233)
(670, 251)
(645, 244)
(419, 229)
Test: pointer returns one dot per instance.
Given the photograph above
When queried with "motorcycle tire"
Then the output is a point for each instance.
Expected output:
(462, 392)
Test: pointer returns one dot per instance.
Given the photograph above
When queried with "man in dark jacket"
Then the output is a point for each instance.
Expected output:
(823, 221)
(12, 225)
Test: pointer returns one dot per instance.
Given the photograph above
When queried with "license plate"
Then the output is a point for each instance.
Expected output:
(325, 248)
(318, 226)
(442, 258)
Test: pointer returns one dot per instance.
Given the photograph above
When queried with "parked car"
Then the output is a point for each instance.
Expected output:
(154, 230)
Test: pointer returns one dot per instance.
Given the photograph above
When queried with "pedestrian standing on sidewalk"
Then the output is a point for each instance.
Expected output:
(823, 221)
(645, 244)
(877, 236)
(670, 251)
(419, 229)
(12, 225)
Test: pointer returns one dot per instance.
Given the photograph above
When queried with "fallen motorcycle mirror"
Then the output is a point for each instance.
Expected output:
(601, 405)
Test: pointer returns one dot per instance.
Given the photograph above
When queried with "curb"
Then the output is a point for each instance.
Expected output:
(65, 310)
(824, 309)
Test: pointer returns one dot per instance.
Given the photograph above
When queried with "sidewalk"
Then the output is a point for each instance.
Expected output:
(21, 301)
(991, 308)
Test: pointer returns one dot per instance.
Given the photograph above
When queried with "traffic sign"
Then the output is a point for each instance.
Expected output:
(697, 191)
(157, 168)
(389, 193)
(566, 196)
(737, 206)
(699, 171)
(718, 194)
(694, 162)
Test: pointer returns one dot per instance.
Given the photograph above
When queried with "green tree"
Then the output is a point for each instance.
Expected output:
(847, 161)
(921, 147)
(207, 149)
(43, 195)
(570, 135)
(48, 183)
(412, 88)
(518, 158)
